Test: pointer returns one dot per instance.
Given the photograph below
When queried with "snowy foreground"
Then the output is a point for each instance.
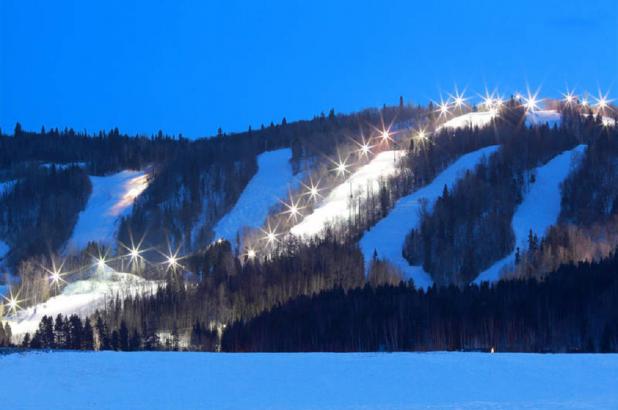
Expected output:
(387, 236)
(271, 183)
(112, 197)
(336, 206)
(308, 381)
(539, 209)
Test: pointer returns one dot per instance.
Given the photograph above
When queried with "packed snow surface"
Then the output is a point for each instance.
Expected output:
(481, 119)
(271, 183)
(82, 297)
(336, 206)
(539, 209)
(541, 117)
(387, 236)
(303, 381)
(472, 119)
(112, 197)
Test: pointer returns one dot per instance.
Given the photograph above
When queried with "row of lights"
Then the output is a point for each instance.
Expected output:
(56, 274)
(531, 102)
(293, 208)
(341, 167)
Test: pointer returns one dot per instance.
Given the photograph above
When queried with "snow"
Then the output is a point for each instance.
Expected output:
(483, 118)
(335, 206)
(539, 209)
(472, 119)
(541, 117)
(271, 182)
(6, 186)
(82, 297)
(608, 121)
(303, 381)
(63, 166)
(387, 237)
(112, 197)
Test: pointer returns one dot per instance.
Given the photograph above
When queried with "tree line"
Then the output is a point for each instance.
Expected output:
(574, 309)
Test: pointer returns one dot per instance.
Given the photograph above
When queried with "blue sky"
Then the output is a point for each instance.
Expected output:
(191, 67)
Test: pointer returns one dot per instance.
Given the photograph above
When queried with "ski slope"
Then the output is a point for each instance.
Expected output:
(539, 209)
(387, 236)
(272, 181)
(541, 117)
(112, 197)
(335, 207)
(82, 297)
(478, 119)
(481, 119)
(308, 381)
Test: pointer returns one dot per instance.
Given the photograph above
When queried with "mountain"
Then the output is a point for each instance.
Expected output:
(226, 228)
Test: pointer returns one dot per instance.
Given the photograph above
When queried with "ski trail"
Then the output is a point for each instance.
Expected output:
(539, 209)
(336, 207)
(112, 197)
(387, 236)
(272, 181)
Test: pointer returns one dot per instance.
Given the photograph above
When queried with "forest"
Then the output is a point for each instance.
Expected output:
(573, 309)
(318, 292)
(469, 227)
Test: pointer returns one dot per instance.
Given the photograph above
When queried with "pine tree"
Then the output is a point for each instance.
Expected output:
(8, 333)
(87, 336)
(123, 335)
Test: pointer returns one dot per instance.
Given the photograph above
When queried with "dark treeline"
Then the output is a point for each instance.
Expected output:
(38, 213)
(575, 309)
(590, 192)
(232, 289)
(469, 226)
(103, 152)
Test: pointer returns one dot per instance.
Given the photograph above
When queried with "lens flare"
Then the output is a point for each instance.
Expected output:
(13, 303)
(270, 235)
(251, 254)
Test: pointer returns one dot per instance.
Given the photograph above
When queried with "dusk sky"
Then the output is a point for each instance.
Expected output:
(191, 67)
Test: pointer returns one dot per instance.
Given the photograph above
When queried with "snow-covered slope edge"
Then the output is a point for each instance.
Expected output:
(539, 209)
(82, 298)
(272, 181)
(335, 207)
(387, 236)
(112, 197)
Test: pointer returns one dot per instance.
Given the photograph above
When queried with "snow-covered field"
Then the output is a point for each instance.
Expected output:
(539, 209)
(112, 197)
(387, 236)
(82, 297)
(270, 184)
(335, 206)
(393, 381)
